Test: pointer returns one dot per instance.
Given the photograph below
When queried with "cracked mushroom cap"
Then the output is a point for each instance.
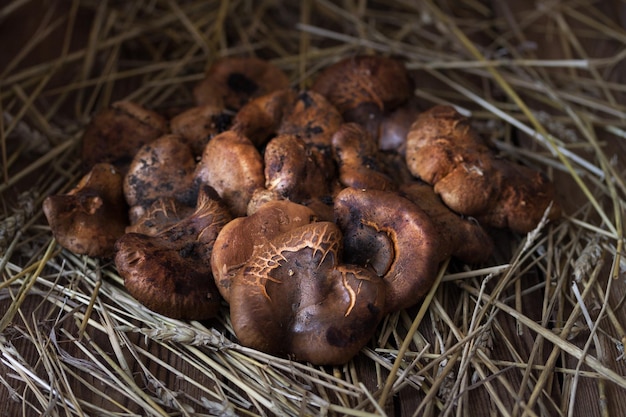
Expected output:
(393, 236)
(162, 168)
(170, 272)
(294, 298)
(163, 213)
(92, 216)
(115, 134)
(231, 82)
(237, 240)
(233, 166)
(446, 152)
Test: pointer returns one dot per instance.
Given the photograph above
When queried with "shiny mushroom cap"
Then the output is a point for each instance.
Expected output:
(89, 219)
(170, 272)
(237, 240)
(356, 154)
(294, 298)
(461, 237)
(390, 234)
(233, 166)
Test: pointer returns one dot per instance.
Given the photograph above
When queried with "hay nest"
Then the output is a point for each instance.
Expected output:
(539, 330)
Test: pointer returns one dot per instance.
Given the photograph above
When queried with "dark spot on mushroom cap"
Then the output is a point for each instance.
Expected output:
(306, 99)
(240, 83)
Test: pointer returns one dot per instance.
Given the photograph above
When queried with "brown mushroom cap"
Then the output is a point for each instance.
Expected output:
(115, 134)
(446, 152)
(365, 87)
(92, 216)
(311, 117)
(461, 237)
(295, 170)
(260, 119)
(237, 240)
(170, 272)
(233, 166)
(293, 298)
(356, 153)
(197, 125)
(390, 234)
(305, 114)
(162, 168)
(232, 81)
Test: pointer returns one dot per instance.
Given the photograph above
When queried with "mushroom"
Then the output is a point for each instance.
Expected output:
(260, 118)
(393, 236)
(162, 168)
(231, 82)
(305, 114)
(297, 171)
(394, 127)
(115, 134)
(356, 154)
(160, 215)
(234, 168)
(294, 298)
(446, 152)
(197, 125)
(237, 240)
(461, 237)
(312, 118)
(364, 88)
(170, 272)
(92, 216)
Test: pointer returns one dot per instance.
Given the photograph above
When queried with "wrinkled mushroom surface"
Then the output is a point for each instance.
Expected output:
(160, 215)
(89, 219)
(238, 239)
(294, 298)
(446, 152)
(170, 272)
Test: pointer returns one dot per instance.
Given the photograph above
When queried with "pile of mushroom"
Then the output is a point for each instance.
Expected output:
(311, 214)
